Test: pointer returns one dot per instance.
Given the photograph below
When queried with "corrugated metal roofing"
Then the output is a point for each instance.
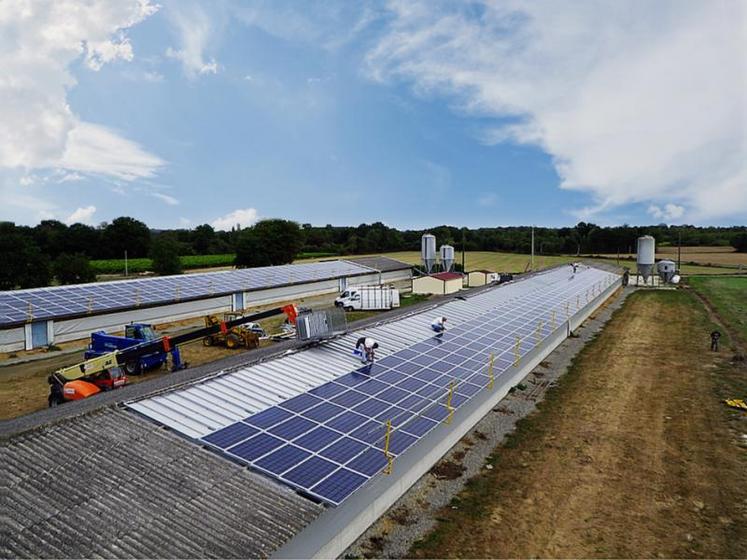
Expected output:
(204, 407)
(446, 275)
(113, 485)
(383, 264)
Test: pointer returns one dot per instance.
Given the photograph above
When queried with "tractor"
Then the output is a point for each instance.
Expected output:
(246, 335)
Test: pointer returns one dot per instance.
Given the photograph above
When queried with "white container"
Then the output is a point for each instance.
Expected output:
(368, 298)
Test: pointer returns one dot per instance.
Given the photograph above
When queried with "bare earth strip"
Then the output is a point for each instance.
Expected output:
(633, 455)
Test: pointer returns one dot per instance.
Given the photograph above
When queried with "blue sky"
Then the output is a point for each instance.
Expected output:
(414, 114)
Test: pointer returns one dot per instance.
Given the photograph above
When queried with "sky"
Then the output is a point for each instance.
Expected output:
(413, 113)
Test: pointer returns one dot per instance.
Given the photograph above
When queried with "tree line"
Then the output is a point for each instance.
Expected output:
(33, 256)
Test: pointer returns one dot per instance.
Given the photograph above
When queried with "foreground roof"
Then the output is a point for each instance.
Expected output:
(114, 485)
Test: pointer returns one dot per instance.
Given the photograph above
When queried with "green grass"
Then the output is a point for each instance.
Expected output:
(116, 266)
(728, 296)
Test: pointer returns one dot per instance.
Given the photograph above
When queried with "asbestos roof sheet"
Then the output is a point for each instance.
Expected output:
(113, 485)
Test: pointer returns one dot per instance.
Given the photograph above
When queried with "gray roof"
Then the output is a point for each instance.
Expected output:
(382, 264)
(112, 484)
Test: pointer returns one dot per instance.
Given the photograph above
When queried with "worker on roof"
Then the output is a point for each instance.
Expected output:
(439, 324)
(365, 348)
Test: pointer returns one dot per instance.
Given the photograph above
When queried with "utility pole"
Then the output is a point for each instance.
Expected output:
(125, 262)
(532, 262)
(679, 250)
(464, 248)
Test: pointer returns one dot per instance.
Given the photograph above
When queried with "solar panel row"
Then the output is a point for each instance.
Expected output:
(330, 441)
(43, 303)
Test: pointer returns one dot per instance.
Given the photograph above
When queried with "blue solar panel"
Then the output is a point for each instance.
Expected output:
(62, 301)
(338, 429)
(231, 435)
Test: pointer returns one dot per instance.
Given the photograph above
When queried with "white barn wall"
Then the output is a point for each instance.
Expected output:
(12, 339)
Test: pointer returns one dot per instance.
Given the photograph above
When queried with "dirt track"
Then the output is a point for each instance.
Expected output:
(633, 455)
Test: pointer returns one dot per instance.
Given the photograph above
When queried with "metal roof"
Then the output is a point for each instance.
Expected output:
(380, 263)
(56, 302)
(201, 408)
(446, 276)
(112, 485)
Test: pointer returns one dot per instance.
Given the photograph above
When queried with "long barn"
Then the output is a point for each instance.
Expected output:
(41, 316)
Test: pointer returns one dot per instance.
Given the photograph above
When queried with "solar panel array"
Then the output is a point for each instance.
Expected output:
(44, 303)
(329, 441)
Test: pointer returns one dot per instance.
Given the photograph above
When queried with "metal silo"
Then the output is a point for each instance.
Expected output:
(447, 258)
(428, 252)
(646, 256)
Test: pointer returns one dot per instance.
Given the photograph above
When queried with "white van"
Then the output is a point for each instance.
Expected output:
(368, 298)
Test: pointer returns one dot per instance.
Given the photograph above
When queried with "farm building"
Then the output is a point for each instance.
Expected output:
(481, 277)
(282, 456)
(441, 283)
(42, 316)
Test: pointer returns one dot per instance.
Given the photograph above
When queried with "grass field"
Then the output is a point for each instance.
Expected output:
(729, 297)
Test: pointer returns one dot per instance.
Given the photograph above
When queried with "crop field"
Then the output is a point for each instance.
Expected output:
(515, 262)
(117, 266)
(713, 256)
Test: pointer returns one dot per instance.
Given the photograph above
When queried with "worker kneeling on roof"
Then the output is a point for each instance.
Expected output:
(364, 349)
(439, 324)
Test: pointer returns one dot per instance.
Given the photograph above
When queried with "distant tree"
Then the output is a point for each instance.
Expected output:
(165, 255)
(23, 264)
(73, 269)
(739, 242)
(268, 242)
(81, 238)
(203, 238)
(126, 234)
(51, 236)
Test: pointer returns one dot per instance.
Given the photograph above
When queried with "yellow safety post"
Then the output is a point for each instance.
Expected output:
(517, 351)
(90, 304)
(137, 297)
(448, 403)
(538, 333)
(29, 313)
(491, 375)
(567, 310)
(178, 293)
(389, 457)
(578, 301)
(553, 323)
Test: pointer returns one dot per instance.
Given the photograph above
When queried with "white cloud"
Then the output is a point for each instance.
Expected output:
(81, 215)
(244, 217)
(170, 200)
(635, 101)
(38, 43)
(668, 213)
(194, 28)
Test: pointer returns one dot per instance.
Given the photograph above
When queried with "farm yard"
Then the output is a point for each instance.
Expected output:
(708, 256)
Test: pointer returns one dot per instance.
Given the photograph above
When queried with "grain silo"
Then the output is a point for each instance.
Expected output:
(447, 258)
(646, 256)
(428, 252)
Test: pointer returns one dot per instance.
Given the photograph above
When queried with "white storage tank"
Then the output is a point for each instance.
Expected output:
(428, 252)
(646, 256)
(667, 270)
(447, 258)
